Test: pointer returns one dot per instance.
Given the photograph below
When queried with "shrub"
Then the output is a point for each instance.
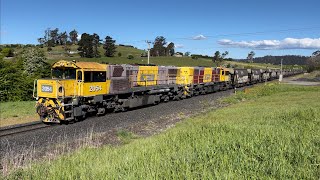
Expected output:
(7, 52)
(119, 54)
(130, 56)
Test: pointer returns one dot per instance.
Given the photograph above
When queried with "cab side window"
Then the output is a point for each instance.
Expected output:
(99, 76)
(87, 76)
(79, 76)
(95, 76)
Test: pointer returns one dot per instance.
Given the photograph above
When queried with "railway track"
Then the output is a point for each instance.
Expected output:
(21, 129)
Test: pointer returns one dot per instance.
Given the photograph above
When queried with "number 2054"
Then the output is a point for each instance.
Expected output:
(95, 88)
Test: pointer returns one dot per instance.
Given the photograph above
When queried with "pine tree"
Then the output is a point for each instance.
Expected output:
(109, 46)
(73, 35)
(170, 49)
(86, 46)
(158, 47)
(96, 44)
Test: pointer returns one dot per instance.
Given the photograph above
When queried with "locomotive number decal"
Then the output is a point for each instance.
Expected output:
(95, 88)
(46, 88)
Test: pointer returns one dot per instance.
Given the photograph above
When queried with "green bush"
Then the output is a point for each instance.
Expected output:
(7, 52)
(17, 77)
(194, 57)
(119, 54)
(130, 56)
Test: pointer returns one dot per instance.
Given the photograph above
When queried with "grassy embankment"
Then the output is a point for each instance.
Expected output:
(270, 131)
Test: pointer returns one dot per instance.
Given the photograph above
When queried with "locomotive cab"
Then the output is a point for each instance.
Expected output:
(70, 83)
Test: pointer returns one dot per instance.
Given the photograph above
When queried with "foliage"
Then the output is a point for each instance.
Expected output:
(219, 58)
(201, 56)
(187, 53)
(194, 57)
(109, 46)
(316, 53)
(96, 44)
(86, 46)
(130, 56)
(276, 60)
(119, 54)
(170, 49)
(271, 136)
(73, 35)
(34, 61)
(7, 52)
(53, 38)
(313, 63)
(63, 38)
(158, 47)
(216, 57)
(250, 56)
(16, 77)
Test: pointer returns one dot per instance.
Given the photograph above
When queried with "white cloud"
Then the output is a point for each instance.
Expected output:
(199, 37)
(178, 45)
(287, 43)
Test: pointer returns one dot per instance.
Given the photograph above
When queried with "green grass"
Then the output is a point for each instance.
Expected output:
(274, 132)
(16, 109)
(19, 112)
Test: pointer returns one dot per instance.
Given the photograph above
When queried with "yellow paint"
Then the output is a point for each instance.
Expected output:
(68, 88)
(93, 88)
(185, 75)
(224, 74)
(207, 76)
(147, 75)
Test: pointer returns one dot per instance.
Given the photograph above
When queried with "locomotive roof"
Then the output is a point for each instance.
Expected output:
(94, 66)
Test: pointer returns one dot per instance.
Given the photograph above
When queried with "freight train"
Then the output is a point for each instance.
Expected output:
(78, 89)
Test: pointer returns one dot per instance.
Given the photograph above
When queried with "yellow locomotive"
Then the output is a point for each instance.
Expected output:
(58, 96)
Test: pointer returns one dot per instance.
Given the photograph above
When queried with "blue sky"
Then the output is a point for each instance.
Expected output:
(132, 22)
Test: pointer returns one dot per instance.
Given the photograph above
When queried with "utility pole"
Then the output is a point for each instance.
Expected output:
(148, 42)
(280, 77)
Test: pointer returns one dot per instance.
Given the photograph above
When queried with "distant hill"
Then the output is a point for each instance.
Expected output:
(276, 60)
(58, 53)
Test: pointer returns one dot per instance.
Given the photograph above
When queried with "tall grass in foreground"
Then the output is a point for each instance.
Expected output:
(274, 133)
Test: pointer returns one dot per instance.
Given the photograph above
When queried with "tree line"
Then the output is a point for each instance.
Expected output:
(276, 60)
(88, 44)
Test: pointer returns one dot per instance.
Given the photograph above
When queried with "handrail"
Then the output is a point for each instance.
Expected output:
(34, 88)
(75, 89)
